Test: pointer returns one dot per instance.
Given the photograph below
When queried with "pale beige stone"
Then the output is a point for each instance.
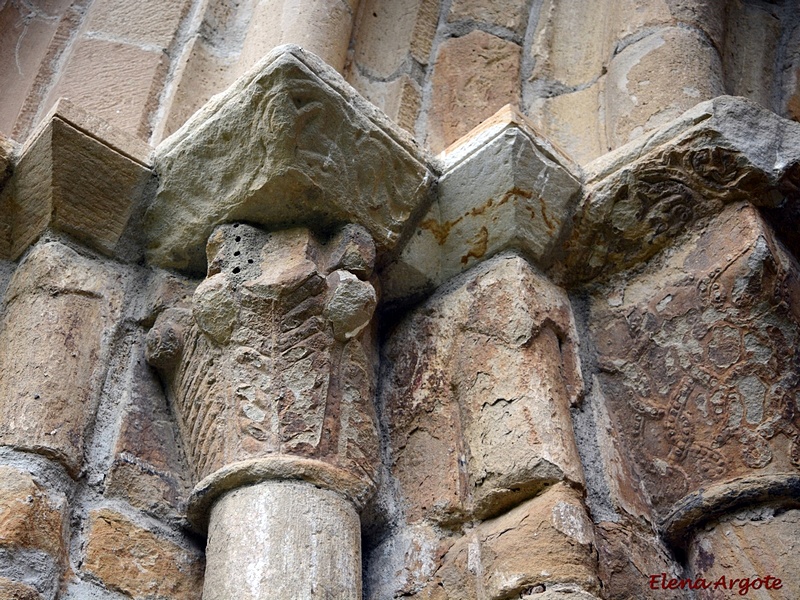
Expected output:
(571, 120)
(116, 81)
(26, 33)
(571, 44)
(632, 17)
(59, 315)
(400, 99)
(138, 562)
(147, 22)
(75, 182)
(474, 76)
(511, 14)
(317, 153)
(654, 80)
(201, 73)
(320, 26)
(384, 36)
(502, 186)
(283, 539)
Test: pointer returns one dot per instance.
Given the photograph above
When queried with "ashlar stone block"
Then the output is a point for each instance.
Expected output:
(288, 143)
(79, 175)
(502, 186)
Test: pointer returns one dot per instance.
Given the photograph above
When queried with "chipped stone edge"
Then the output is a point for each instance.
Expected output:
(257, 470)
(327, 75)
(709, 503)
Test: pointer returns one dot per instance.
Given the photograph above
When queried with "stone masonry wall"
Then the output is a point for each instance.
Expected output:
(379, 299)
(590, 78)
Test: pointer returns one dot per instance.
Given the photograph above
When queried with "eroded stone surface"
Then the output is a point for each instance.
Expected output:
(646, 194)
(545, 543)
(31, 518)
(276, 359)
(752, 544)
(477, 387)
(75, 182)
(465, 91)
(290, 142)
(53, 370)
(698, 361)
(138, 562)
(502, 187)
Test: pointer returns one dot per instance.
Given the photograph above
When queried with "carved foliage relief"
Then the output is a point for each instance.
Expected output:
(699, 359)
(276, 356)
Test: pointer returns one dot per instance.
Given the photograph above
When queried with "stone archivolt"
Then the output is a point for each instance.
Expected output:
(446, 361)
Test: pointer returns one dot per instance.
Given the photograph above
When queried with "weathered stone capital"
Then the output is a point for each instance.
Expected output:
(272, 369)
(288, 144)
(640, 197)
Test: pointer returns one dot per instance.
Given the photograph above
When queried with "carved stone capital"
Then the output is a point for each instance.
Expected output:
(288, 143)
(272, 371)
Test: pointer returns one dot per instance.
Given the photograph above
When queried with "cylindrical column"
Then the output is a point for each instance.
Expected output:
(271, 376)
(281, 540)
(660, 69)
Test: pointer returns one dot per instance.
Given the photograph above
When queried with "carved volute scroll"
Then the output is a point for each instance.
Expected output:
(272, 373)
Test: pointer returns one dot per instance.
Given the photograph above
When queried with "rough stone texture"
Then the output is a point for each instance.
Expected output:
(314, 554)
(320, 26)
(750, 544)
(140, 563)
(628, 556)
(148, 468)
(31, 518)
(649, 192)
(477, 389)
(654, 80)
(698, 362)
(26, 31)
(684, 450)
(502, 187)
(387, 32)
(400, 99)
(474, 76)
(13, 590)
(299, 147)
(76, 182)
(752, 42)
(510, 14)
(148, 22)
(278, 363)
(118, 82)
(547, 541)
(53, 367)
